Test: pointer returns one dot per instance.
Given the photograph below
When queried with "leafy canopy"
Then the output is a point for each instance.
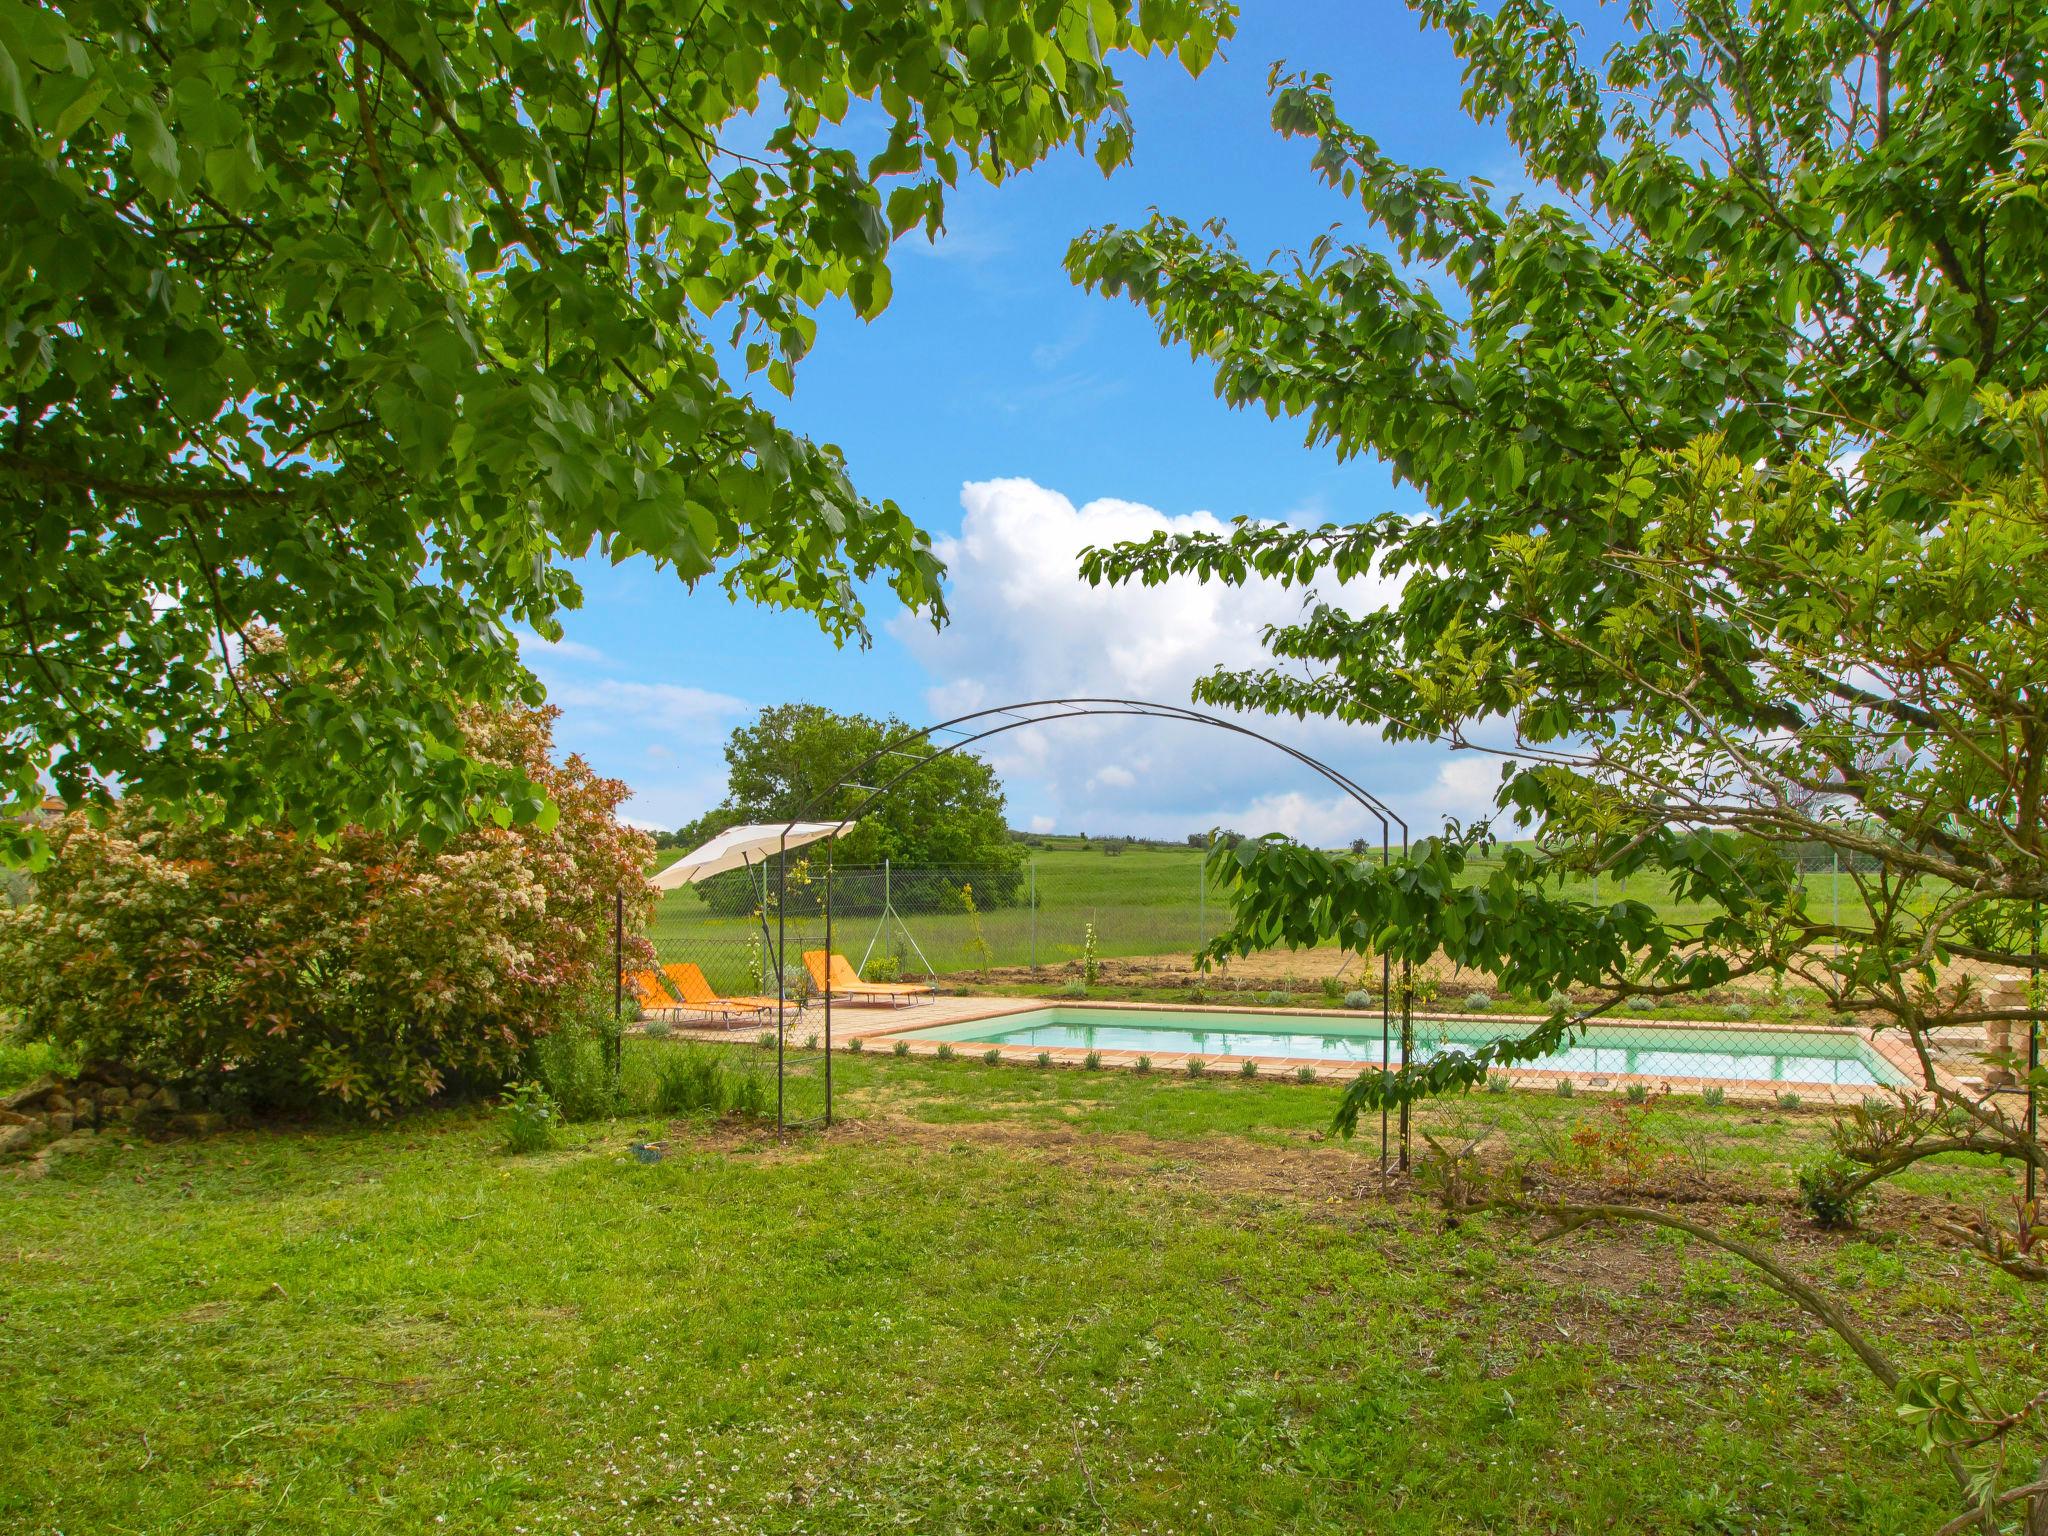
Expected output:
(945, 812)
(1738, 477)
(357, 319)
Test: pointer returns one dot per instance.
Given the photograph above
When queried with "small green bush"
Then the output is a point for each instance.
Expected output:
(1564, 1088)
(1558, 1002)
(1304, 1074)
(1333, 991)
(1789, 1100)
(811, 1041)
(992, 1056)
(530, 1118)
(901, 1047)
(1075, 988)
(1044, 1058)
(1824, 1189)
(570, 1065)
(1092, 1061)
(656, 1029)
(1249, 1067)
(1197, 1066)
(1641, 1004)
(945, 1050)
(1636, 1093)
(1142, 1065)
(689, 1082)
(1714, 1097)
(1276, 999)
(1496, 1082)
(1358, 999)
(1477, 1002)
(1737, 1012)
(747, 1093)
(856, 1044)
(766, 1040)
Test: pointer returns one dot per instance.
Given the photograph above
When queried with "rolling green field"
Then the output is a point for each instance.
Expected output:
(999, 1300)
(1144, 900)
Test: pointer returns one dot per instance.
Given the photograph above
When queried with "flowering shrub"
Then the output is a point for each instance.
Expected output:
(360, 970)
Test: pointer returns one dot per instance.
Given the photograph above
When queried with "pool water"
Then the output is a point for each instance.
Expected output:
(1814, 1057)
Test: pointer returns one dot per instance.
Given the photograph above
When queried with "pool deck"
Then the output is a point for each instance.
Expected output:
(882, 1027)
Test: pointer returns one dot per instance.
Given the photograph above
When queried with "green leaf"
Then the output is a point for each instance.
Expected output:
(155, 152)
(13, 97)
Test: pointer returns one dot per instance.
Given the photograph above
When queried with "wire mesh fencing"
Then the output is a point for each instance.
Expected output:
(953, 923)
(1126, 922)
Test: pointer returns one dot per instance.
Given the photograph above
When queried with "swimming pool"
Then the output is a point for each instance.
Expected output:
(1829, 1058)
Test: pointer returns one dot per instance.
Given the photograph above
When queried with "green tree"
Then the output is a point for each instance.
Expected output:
(358, 318)
(947, 814)
(1735, 449)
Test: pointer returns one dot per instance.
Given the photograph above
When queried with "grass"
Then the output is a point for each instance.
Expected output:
(1002, 1300)
(21, 1061)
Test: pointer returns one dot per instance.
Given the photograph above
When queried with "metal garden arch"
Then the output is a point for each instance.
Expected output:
(982, 724)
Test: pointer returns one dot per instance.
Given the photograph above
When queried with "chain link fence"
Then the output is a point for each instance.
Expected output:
(1121, 922)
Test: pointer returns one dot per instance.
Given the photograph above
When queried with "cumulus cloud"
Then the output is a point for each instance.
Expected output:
(1026, 626)
(610, 705)
(533, 648)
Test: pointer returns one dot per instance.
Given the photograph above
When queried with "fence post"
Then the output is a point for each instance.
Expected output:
(1835, 888)
(1031, 878)
(1202, 899)
(616, 1046)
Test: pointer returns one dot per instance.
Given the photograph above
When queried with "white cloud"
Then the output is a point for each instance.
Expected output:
(612, 705)
(1464, 787)
(1026, 626)
(532, 646)
(667, 739)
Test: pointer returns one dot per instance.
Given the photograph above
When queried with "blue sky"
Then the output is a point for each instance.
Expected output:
(1017, 418)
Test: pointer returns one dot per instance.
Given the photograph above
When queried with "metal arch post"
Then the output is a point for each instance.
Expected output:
(781, 961)
(1386, 1021)
(1407, 1020)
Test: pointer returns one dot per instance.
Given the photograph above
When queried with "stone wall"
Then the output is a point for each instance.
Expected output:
(110, 1098)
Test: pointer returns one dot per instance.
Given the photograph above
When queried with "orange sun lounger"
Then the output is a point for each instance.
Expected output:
(843, 984)
(656, 1001)
(689, 983)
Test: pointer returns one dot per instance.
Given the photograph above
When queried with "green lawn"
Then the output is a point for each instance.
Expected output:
(997, 1300)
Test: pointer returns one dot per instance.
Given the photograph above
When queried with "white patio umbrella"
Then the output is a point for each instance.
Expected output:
(742, 848)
